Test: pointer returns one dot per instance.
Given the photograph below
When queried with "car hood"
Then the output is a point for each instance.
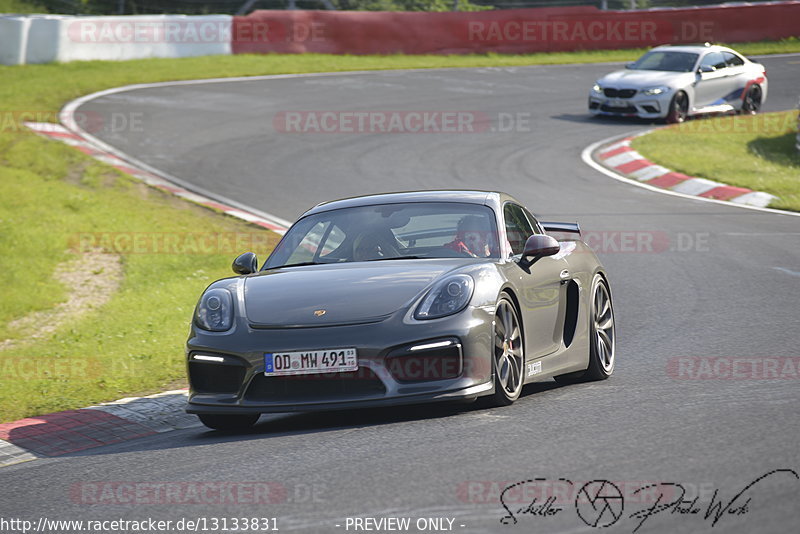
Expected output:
(349, 293)
(643, 78)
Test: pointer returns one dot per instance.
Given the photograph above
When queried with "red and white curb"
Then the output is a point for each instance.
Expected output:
(621, 158)
(157, 180)
(72, 431)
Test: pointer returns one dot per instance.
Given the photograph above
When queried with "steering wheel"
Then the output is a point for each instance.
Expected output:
(373, 246)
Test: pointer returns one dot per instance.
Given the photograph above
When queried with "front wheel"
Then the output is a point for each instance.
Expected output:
(509, 354)
(678, 108)
(228, 423)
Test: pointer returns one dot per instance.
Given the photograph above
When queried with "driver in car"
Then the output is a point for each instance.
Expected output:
(472, 237)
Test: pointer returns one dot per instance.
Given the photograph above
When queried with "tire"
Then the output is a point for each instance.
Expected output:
(678, 108)
(508, 357)
(752, 100)
(228, 423)
(602, 337)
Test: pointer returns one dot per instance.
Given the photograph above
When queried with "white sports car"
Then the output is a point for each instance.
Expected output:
(675, 82)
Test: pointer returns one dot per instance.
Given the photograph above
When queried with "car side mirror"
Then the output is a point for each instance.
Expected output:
(630, 64)
(538, 246)
(705, 68)
(246, 263)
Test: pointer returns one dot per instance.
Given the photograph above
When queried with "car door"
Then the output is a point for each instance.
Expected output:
(711, 86)
(538, 288)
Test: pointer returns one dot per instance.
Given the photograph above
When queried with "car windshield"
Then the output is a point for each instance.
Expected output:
(389, 231)
(668, 61)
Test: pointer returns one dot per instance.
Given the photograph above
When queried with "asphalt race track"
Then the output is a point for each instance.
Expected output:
(721, 281)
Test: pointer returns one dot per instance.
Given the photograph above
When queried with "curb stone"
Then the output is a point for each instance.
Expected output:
(71, 431)
(621, 158)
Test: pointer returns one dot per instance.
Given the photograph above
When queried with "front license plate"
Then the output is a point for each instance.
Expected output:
(311, 361)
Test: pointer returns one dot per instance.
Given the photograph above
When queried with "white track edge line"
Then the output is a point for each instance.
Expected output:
(586, 156)
(66, 116)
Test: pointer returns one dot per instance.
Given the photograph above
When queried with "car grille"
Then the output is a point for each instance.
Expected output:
(611, 92)
(618, 109)
(315, 387)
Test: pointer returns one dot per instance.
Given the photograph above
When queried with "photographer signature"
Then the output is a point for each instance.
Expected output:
(600, 503)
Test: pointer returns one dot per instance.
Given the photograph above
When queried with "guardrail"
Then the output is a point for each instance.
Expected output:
(48, 38)
(509, 31)
(61, 38)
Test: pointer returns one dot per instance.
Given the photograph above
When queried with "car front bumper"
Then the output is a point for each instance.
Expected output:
(398, 358)
(640, 105)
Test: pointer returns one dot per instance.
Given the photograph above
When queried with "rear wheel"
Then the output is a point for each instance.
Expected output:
(752, 100)
(602, 337)
(678, 108)
(509, 354)
(228, 423)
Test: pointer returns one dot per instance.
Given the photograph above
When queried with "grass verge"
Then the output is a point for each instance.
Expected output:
(753, 151)
(52, 194)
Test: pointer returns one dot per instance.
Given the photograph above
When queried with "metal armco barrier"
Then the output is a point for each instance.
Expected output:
(508, 31)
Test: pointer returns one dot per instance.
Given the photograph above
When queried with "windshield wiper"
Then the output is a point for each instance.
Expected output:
(400, 258)
(302, 263)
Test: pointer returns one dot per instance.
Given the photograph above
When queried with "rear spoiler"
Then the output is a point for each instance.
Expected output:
(573, 228)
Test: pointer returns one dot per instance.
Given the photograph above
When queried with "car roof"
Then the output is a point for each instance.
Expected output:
(490, 198)
(696, 49)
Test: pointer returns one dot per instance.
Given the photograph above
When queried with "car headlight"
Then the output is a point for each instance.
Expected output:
(447, 297)
(597, 89)
(653, 91)
(214, 312)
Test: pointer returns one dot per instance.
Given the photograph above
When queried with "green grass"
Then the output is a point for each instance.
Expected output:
(51, 197)
(22, 89)
(20, 7)
(755, 151)
(50, 193)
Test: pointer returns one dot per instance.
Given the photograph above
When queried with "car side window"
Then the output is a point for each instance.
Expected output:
(306, 249)
(537, 228)
(714, 59)
(732, 59)
(518, 229)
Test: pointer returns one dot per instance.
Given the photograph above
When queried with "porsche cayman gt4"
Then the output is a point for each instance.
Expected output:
(401, 298)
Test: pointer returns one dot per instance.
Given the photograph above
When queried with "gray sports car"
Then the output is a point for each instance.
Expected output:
(401, 298)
